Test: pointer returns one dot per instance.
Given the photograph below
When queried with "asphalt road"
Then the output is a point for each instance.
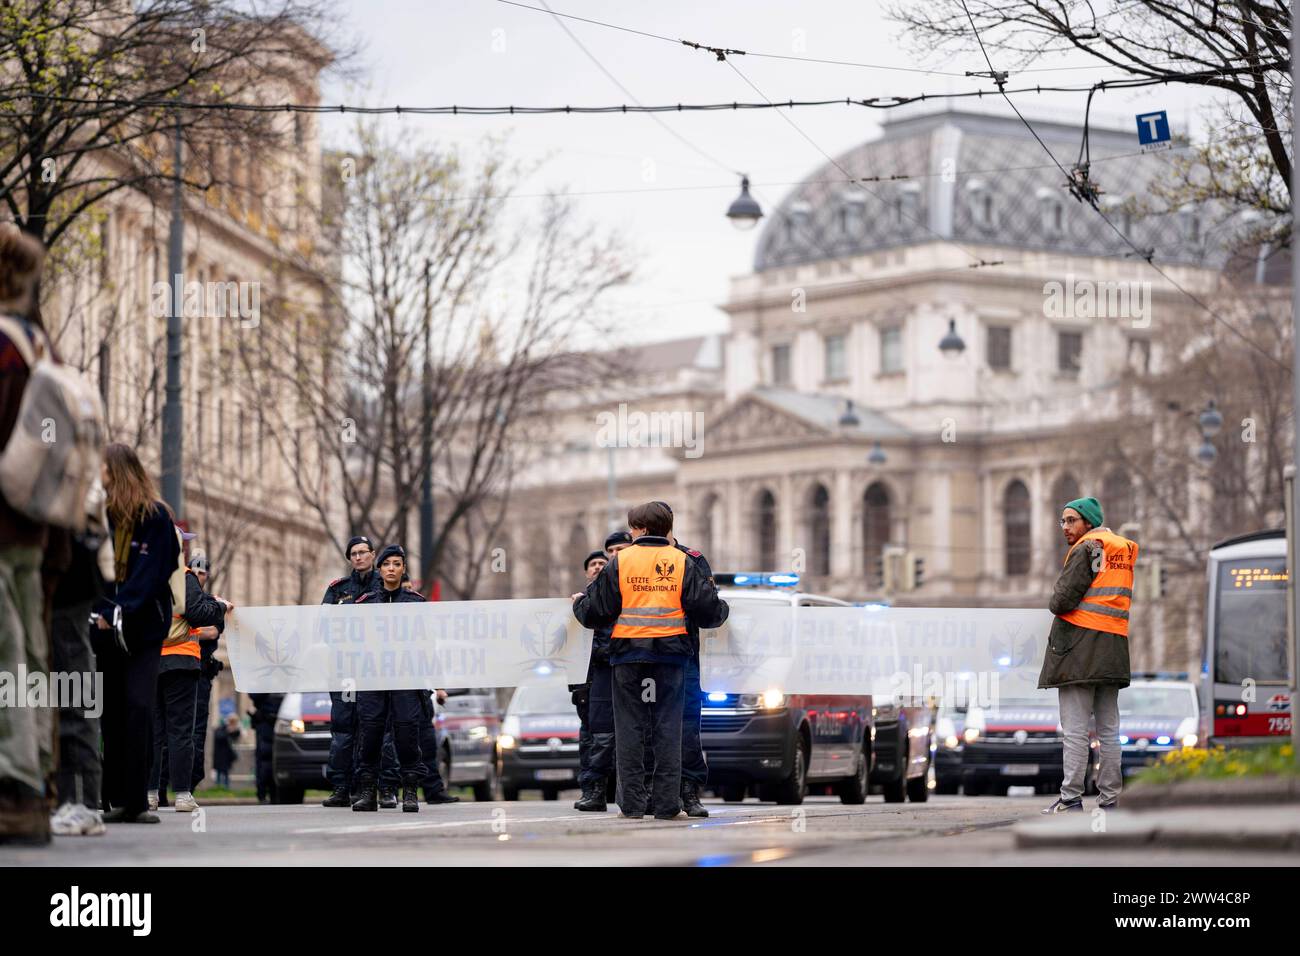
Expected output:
(951, 831)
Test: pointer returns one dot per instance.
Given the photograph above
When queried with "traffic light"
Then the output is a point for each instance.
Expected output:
(878, 572)
(918, 571)
(1162, 580)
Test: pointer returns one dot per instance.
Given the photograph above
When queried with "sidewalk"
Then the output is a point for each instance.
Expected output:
(1251, 827)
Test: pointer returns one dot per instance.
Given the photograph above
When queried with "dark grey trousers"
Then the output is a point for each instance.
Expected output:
(649, 696)
(80, 773)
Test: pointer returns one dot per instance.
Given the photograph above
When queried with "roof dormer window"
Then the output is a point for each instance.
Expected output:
(907, 204)
(983, 210)
(852, 213)
(1190, 220)
(1051, 211)
(796, 219)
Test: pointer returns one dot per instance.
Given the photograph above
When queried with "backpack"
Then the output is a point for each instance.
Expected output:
(179, 633)
(56, 449)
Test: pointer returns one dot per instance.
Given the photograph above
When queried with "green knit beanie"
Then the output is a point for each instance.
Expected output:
(1089, 509)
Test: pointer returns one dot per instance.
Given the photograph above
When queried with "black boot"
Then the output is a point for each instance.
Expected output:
(366, 799)
(593, 797)
(339, 798)
(388, 798)
(691, 800)
(411, 796)
(439, 796)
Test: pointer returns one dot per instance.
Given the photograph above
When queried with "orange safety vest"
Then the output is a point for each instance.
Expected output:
(650, 581)
(180, 639)
(1105, 605)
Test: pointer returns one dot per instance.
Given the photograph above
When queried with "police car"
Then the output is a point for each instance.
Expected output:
(300, 752)
(780, 747)
(538, 745)
(1017, 742)
(1158, 714)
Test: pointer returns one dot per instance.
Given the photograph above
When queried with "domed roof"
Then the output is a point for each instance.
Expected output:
(980, 178)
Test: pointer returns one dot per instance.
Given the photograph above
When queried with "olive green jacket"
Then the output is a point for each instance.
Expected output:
(1080, 655)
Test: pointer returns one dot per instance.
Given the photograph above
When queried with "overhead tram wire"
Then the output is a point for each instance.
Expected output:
(722, 52)
(1091, 201)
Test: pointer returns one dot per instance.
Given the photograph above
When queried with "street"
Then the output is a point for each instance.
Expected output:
(946, 831)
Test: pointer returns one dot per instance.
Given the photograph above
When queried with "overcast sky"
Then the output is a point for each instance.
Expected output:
(484, 52)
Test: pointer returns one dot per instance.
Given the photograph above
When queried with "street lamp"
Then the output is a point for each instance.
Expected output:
(1207, 453)
(1211, 421)
(744, 211)
(877, 454)
(952, 345)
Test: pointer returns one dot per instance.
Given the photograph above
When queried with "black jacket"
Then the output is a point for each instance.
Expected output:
(201, 610)
(381, 595)
(347, 589)
(602, 603)
(145, 595)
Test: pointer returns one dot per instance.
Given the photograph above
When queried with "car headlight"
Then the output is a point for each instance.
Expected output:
(773, 698)
(952, 741)
(1189, 740)
(971, 734)
(295, 726)
(506, 742)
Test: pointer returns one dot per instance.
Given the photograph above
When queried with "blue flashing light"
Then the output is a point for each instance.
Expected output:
(542, 669)
(1123, 738)
(783, 580)
(1163, 740)
(754, 579)
(1004, 661)
(717, 697)
(873, 606)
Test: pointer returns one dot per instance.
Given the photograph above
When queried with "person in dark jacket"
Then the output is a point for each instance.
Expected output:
(223, 748)
(374, 706)
(1087, 655)
(177, 707)
(343, 706)
(132, 622)
(595, 755)
(648, 593)
(695, 769)
(209, 668)
(266, 707)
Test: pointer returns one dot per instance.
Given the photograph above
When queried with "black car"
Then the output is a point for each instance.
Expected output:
(780, 747)
(1017, 743)
(538, 745)
(301, 751)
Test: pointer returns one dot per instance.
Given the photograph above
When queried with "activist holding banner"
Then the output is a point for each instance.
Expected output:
(649, 593)
(374, 707)
(1087, 656)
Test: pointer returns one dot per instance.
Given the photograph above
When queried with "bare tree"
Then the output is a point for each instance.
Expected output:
(93, 91)
(1239, 48)
(445, 304)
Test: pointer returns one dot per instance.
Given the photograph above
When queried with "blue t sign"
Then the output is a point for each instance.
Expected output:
(1153, 128)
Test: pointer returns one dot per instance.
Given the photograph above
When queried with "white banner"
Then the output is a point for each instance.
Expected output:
(988, 653)
(882, 651)
(395, 646)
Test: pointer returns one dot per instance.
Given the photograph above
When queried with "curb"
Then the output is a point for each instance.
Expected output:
(1241, 790)
(1276, 828)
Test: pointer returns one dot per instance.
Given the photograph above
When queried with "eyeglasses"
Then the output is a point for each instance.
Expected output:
(1069, 521)
(358, 554)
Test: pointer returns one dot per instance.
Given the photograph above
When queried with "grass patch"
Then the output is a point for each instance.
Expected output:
(1220, 763)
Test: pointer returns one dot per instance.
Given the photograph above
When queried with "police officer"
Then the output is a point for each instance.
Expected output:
(648, 593)
(209, 668)
(343, 712)
(374, 706)
(265, 709)
(593, 780)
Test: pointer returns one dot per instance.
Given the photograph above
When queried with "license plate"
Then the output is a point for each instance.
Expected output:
(1020, 769)
(553, 774)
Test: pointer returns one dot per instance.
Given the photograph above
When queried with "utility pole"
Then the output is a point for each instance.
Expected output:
(613, 519)
(172, 484)
(426, 443)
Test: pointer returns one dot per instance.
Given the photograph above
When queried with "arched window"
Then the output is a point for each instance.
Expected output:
(1065, 488)
(1016, 524)
(765, 529)
(875, 531)
(819, 531)
(1117, 505)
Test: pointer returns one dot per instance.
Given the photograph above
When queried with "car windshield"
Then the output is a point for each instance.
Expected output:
(1250, 621)
(1135, 701)
(544, 697)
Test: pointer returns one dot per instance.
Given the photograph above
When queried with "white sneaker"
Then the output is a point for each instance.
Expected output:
(153, 799)
(185, 802)
(74, 819)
